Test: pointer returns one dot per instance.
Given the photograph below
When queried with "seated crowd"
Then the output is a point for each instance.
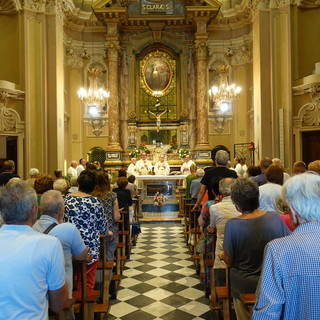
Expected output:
(264, 224)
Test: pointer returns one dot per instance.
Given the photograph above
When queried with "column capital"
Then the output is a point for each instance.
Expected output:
(201, 49)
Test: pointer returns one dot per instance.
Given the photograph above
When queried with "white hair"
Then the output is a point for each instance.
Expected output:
(222, 157)
(33, 172)
(61, 185)
(200, 172)
(302, 192)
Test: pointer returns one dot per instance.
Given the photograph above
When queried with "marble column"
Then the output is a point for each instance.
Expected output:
(201, 51)
(113, 49)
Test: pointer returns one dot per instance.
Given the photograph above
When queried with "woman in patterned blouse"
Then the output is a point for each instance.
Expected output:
(87, 214)
(109, 202)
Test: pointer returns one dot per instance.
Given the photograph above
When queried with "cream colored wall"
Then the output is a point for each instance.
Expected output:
(36, 125)
(281, 56)
(10, 43)
(308, 44)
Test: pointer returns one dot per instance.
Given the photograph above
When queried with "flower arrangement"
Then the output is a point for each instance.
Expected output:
(173, 144)
(183, 153)
(134, 153)
(142, 146)
(159, 199)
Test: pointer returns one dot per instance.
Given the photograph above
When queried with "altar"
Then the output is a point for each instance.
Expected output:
(149, 185)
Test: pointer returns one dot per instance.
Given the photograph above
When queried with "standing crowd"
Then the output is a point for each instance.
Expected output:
(266, 225)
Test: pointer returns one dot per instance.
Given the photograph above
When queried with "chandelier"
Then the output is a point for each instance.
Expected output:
(95, 100)
(222, 96)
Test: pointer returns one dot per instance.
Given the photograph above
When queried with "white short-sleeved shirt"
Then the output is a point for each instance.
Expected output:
(72, 172)
(71, 241)
(31, 263)
(270, 195)
(220, 213)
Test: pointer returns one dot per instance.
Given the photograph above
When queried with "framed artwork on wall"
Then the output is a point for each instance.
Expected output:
(157, 73)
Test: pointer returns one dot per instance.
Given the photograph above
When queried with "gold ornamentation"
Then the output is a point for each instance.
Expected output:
(132, 114)
(157, 73)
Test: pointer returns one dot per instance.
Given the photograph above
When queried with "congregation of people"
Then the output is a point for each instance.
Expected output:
(264, 223)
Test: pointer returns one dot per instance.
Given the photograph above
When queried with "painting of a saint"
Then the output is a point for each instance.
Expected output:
(157, 73)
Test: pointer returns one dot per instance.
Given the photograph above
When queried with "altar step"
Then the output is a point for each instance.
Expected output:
(166, 208)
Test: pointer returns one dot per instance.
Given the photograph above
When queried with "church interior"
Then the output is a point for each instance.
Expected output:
(106, 80)
(156, 61)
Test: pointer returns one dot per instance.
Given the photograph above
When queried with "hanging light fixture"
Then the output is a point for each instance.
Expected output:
(222, 96)
(94, 95)
(94, 98)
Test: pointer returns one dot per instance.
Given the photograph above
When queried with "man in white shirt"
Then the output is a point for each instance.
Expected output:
(80, 167)
(31, 264)
(185, 168)
(144, 166)
(161, 168)
(132, 168)
(220, 213)
(72, 170)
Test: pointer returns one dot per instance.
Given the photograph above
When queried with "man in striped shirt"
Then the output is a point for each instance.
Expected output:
(289, 287)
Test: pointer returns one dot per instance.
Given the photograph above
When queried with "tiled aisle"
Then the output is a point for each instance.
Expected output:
(159, 280)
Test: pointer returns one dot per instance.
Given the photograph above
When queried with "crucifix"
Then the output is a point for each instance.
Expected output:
(158, 114)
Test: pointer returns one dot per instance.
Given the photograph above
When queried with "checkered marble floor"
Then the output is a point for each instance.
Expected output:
(159, 280)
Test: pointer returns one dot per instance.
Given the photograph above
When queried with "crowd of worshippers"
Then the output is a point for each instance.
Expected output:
(267, 233)
(36, 269)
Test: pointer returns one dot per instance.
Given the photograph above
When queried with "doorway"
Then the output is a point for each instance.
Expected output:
(10, 151)
(310, 146)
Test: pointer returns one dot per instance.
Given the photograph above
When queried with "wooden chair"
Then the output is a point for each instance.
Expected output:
(106, 268)
(86, 299)
(248, 299)
(61, 314)
(221, 296)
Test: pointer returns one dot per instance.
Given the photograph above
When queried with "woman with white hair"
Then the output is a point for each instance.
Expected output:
(33, 173)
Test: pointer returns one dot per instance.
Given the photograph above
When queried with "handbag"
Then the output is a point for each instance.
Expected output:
(201, 244)
(136, 228)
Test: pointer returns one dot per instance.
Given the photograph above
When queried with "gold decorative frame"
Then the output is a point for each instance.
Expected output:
(157, 73)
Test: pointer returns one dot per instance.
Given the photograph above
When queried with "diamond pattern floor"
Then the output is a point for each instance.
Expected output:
(159, 280)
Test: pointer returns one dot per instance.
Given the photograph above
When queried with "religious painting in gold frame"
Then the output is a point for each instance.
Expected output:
(157, 73)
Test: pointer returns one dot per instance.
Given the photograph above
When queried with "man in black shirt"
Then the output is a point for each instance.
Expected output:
(211, 179)
(8, 172)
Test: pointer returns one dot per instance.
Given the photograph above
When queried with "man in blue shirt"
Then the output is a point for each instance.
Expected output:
(289, 287)
(32, 275)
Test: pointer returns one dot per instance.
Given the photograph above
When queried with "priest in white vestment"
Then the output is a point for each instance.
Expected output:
(185, 168)
(132, 168)
(161, 168)
(144, 166)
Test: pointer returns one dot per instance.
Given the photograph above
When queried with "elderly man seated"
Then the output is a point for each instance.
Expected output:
(50, 222)
(31, 264)
(290, 280)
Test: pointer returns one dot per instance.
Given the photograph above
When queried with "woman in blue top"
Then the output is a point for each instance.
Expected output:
(245, 238)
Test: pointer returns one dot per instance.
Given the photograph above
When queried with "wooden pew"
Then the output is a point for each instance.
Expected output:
(221, 294)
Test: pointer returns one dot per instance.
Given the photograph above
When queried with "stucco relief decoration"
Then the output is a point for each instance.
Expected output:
(7, 117)
(9, 6)
(74, 58)
(240, 55)
(308, 4)
(35, 5)
(311, 111)
(157, 73)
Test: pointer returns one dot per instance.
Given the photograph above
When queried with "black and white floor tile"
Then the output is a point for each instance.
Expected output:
(159, 280)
